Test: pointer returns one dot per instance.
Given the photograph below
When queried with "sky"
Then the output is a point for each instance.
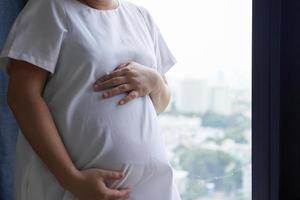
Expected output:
(209, 38)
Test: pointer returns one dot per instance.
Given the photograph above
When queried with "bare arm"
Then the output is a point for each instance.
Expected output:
(24, 96)
(161, 95)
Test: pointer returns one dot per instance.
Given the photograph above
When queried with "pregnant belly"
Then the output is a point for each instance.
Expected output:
(99, 133)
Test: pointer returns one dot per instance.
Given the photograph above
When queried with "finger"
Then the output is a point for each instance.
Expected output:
(110, 76)
(121, 65)
(117, 90)
(115, 193)
(129, 190)
(100, 79)
(116, 72)
(110, 174)
(124, 198)
(133, 94)
(109, 83)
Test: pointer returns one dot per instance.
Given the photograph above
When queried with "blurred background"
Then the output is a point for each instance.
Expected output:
(207, 125)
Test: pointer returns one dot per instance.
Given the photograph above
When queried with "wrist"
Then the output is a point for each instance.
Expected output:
(69, 179)
(158, 83)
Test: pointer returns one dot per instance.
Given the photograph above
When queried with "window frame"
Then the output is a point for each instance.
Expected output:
(266, 99)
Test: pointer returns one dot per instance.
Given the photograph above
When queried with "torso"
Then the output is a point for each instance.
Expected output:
(96, 132)
(96, 43)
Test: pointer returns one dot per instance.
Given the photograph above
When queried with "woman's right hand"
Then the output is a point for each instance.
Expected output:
(90, 184)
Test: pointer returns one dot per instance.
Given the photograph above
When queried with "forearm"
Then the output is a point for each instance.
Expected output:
(161, 94)
(37, 125)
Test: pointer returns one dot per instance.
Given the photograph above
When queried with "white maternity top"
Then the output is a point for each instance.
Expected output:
(78, 44)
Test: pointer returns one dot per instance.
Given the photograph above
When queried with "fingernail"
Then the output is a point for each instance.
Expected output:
(121, 102)
(105, 94)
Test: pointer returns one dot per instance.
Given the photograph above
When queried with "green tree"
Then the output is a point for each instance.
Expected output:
(206, 165)
(234, 126)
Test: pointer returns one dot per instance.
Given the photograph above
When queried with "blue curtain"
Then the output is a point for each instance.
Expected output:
(9, 9)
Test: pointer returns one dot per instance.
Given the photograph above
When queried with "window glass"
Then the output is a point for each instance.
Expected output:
(207, 124)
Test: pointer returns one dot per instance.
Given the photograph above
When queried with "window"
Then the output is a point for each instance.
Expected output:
(207, 124)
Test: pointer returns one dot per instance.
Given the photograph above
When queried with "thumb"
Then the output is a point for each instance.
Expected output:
(108, 174)
(122, 65)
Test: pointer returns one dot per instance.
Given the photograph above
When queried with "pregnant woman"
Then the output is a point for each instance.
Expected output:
(62, 57)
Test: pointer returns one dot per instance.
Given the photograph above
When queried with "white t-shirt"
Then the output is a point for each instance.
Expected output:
(78, 44)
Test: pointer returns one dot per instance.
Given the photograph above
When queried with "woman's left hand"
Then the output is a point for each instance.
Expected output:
(131, 77)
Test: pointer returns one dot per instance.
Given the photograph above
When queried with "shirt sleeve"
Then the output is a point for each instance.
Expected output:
(165, 59)
(36, 35)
